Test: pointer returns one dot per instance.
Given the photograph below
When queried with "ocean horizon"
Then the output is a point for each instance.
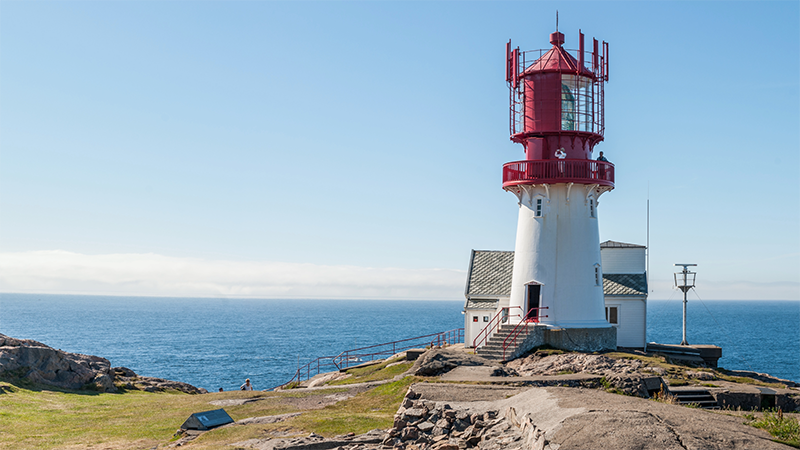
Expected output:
(218, 342)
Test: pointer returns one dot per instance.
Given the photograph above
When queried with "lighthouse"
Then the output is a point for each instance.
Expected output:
(557, 115)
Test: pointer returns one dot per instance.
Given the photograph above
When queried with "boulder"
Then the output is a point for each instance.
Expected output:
(38, 363)
(26, 359)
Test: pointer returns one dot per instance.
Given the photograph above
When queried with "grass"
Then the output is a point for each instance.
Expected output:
(665, 397)
(32, 417)
(785, 429)
(609, 387)
(375, 372)
(372, 409)
(364, 412)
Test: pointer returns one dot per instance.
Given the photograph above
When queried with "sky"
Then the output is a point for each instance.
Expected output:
(354, 149)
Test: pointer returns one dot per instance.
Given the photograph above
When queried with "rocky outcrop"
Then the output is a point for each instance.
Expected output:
(126, 379)
(441, 360)
(542, 363)
(621, 374)
(38, 363)
(424, 424)
(34, 362)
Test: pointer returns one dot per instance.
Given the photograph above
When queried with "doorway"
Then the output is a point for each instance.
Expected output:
(533, 295)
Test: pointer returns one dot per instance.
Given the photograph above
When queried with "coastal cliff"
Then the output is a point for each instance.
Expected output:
(34, 362)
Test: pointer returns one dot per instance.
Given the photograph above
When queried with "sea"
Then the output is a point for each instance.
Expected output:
(217, 343)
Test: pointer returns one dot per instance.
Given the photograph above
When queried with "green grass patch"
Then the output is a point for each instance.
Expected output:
(375, 372)
(610, 387)
(369, 410)
(37, 417)
(786, 430)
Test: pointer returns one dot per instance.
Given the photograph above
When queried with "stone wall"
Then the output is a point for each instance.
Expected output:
(571, 339)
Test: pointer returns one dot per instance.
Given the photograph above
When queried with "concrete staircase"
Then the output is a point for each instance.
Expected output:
(493, 349)
(699, 397)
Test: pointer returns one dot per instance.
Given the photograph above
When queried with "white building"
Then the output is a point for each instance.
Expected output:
(488, 291)
(625, 291)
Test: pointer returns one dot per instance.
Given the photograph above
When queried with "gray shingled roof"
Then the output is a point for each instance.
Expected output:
(615, 244)
(621, 284)
(481, 304)
(490, 273)
(490, 276)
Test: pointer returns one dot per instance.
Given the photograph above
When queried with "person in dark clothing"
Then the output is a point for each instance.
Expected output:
(602, 167)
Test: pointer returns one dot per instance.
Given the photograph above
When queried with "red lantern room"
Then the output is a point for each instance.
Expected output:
(557, 114)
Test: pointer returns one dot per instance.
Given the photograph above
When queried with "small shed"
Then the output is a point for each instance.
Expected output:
(206, 420)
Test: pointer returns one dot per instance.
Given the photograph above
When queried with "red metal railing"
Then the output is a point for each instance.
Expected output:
(552, 171)
(511, 339)
(357, 356)
(592, 102)
(500, 318)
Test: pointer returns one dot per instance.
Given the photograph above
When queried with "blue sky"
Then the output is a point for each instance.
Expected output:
(353, 149)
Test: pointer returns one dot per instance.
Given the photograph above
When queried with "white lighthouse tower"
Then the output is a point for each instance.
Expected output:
(557, 115)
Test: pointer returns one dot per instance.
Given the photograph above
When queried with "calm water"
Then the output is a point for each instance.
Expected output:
(214, 343)
(761, 336)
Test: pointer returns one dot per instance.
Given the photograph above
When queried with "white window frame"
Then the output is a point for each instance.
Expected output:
(539, 205)
(608, 310)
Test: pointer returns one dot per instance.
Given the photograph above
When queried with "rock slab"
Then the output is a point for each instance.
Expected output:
(26, 359)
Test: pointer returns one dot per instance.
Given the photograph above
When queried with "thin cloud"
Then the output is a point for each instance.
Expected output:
(151, 274)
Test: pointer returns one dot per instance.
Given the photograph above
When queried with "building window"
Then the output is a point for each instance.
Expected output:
(485, 318)
(567, 108)
(612, 315)
(474, 318)
(597, 278)
(538, 207)
(591, 208)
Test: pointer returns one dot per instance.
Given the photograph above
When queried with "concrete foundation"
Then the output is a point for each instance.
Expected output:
(571, 339)
(582, 339)
(699, 355)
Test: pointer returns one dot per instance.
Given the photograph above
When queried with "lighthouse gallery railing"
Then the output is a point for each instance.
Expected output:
(552, 171)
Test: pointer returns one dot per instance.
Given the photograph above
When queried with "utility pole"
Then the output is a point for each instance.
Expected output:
(684, 280)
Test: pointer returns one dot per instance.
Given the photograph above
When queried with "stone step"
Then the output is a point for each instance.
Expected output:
(699, 397)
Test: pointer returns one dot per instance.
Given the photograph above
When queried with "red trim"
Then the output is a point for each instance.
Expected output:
(494, 323)
(517, 330)
(553, 171)
(359, 355)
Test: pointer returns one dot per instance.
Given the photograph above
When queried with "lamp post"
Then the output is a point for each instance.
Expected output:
(684, 280)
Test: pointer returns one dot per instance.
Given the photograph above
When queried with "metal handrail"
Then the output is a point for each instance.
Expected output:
(552, 171)
(356, 356)
(492, 323)
(517, 330)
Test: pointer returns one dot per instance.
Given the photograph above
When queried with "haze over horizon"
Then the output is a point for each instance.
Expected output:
(354, 150)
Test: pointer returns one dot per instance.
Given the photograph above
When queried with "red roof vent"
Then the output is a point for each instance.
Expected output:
(557, 38)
